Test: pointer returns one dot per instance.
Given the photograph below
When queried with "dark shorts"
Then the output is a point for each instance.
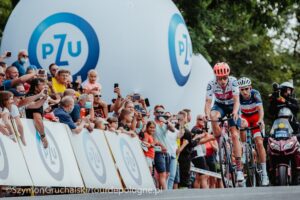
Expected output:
(226, 110)
(200, 162)
(211, 163)
(162, 162)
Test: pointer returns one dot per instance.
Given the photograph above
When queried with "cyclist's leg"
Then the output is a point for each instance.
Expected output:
(243, 134)
(259, 142)
(216, 113)
(257, 136)
(237, 147)
(244, 124)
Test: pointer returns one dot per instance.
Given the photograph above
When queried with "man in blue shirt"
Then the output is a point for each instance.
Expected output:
(22, 59)
(63, 113)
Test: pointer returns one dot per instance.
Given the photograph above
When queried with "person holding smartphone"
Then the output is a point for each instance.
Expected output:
(35, 110)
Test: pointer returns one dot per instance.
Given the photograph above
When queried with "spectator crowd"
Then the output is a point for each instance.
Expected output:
(170, 147)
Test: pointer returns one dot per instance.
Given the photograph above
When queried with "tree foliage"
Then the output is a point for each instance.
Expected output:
(5, 10)
(248, 34)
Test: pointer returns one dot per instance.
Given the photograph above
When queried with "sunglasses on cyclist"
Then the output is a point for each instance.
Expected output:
(246, 89)
(222, 78)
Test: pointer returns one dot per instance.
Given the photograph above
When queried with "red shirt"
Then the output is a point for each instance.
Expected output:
(209, 149)
(149, 139)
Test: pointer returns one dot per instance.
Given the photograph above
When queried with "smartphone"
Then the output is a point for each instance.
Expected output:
(45, 91)
(8, 54)
(116, 85)
(137, 107)
(147, 102)
(136, 97)
(75, 85)
(109, 107)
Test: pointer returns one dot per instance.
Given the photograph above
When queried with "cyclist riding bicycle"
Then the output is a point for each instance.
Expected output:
(252, 116)
(226, 91)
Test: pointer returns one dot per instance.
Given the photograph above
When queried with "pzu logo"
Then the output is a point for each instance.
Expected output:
(180, 50)
(94, 158)
(67, 40)
(51, 156)
(130, 161)
(48, 49)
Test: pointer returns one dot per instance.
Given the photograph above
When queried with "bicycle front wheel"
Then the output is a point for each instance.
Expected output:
(226, 167)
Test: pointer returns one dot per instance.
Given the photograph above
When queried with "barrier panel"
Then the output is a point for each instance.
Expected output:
(13, 169)
(56, 165)
(130, 161)
(95, 160)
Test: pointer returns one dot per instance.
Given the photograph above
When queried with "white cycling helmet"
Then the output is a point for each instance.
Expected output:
(285, 112)
(287, 85)
(244, 82)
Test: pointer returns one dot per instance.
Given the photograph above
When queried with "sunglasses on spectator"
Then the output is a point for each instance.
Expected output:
(246, 89)
(159, 112)
(24, 56)
(222, 78)
(200, 119)
(97, 95)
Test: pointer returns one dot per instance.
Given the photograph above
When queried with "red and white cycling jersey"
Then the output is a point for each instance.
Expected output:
(223, 96)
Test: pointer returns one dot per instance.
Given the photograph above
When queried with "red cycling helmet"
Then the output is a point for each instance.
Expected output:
(221, 69)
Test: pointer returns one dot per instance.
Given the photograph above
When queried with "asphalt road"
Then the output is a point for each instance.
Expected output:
(272, 193)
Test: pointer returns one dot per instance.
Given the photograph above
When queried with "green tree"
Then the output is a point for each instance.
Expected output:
(244, 33)
(5, 10)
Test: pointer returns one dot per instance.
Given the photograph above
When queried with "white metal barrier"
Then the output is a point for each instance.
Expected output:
(92, 160)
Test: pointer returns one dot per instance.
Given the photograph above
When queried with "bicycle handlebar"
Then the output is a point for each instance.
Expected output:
(222, 120)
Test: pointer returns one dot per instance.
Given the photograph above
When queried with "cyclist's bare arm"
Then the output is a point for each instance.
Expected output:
(236, 103)
(236, 106)
(207, 107)
(260, 113)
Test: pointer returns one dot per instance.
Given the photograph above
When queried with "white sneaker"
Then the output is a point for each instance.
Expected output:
(265, 180)
(240, 176)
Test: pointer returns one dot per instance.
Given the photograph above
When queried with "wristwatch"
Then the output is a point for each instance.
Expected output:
(43, 136)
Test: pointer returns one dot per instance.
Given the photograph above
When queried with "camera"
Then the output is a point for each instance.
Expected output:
(116, 85)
